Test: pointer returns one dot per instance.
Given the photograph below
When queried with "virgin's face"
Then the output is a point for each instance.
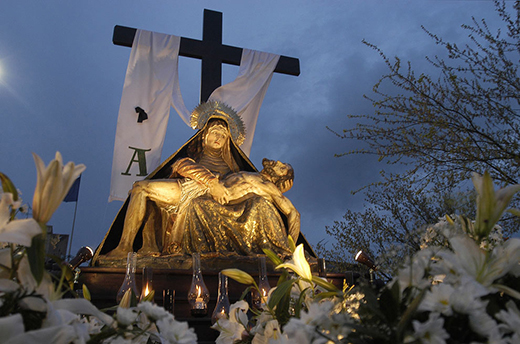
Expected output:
(216, 136)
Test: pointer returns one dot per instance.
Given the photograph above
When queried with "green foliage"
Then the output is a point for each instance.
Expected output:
(390, 228)
(36, 255)
(462, 121)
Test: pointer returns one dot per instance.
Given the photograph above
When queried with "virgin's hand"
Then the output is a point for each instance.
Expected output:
(219, 192)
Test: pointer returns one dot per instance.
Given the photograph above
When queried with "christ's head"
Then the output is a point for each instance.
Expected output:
(282, 174)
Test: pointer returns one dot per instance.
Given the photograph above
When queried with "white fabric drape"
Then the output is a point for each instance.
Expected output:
(151, 82)
(246, 93)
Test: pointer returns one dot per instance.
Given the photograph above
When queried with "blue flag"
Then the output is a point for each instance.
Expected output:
(72, 196)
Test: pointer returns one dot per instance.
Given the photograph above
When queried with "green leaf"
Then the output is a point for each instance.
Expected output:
(514, 211)
(86, 292)
(298, 305)
(281, 290)
(245, 292)
(239, 276)
(282, 312)
(133, 298)
(36, 256)
(66, 270)
(8, 186)
(283, 277)
(328, 294)
(272, 256)
(407, 316)
(324, 284)
(292, 245)
(389, 303)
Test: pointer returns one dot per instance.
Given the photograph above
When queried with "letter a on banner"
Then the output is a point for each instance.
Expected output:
(144, 109)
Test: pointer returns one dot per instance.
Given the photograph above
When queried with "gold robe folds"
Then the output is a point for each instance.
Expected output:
(245, 228)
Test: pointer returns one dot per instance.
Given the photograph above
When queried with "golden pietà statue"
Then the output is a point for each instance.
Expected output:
(208, 198)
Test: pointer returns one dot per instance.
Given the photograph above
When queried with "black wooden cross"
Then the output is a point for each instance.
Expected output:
(211, 51)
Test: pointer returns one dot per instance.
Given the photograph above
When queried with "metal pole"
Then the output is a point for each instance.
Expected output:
(72, 232)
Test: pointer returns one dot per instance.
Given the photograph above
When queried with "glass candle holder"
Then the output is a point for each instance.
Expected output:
(222, 307)
(260, 296)
(129, 281)
(147, 284)
(198, 296)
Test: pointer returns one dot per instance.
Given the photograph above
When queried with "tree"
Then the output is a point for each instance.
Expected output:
(389, 228)
(440, 130)
(466, 120)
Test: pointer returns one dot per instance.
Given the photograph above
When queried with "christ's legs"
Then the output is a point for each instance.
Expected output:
(161, 192)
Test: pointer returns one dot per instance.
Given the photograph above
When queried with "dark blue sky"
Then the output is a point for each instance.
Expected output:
(61, 80)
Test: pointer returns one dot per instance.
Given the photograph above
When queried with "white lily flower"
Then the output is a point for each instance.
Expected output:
(63, 334)
(437, 299)
(483, 324)
(319, 318)
(152, 311)
(298, 337)
(84, 307)
(126, 316)
(466, 297)
(52, 185)
(57, 317)
(297, 326)
(272, 334)
(484, 267)
(11, 326)
(413, 274)
(432, 331)
(510, 318)
(238, 312)
(261, 320)
(490, 204)
(16, 231)
(7, 285)
(232, 328)
(176, 332)
(46, 288)
(298, 264)
(230, 331)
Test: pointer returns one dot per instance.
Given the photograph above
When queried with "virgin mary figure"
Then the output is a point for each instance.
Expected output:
(185, 206)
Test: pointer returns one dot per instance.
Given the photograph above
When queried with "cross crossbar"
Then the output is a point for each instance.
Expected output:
(210, 50)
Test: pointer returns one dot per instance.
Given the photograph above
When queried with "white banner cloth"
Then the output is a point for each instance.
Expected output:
(246, 93)
(151, 84)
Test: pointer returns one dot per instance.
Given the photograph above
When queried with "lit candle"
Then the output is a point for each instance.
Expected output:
(263, 297)
(199, 301)
(147, 284)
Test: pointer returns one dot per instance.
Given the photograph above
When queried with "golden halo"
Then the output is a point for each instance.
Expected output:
(216, 109)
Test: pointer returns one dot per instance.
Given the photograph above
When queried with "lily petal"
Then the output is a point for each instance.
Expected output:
(239, 276)
(10, 327)
(20, 231)
(53, 183)
(298, 264)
